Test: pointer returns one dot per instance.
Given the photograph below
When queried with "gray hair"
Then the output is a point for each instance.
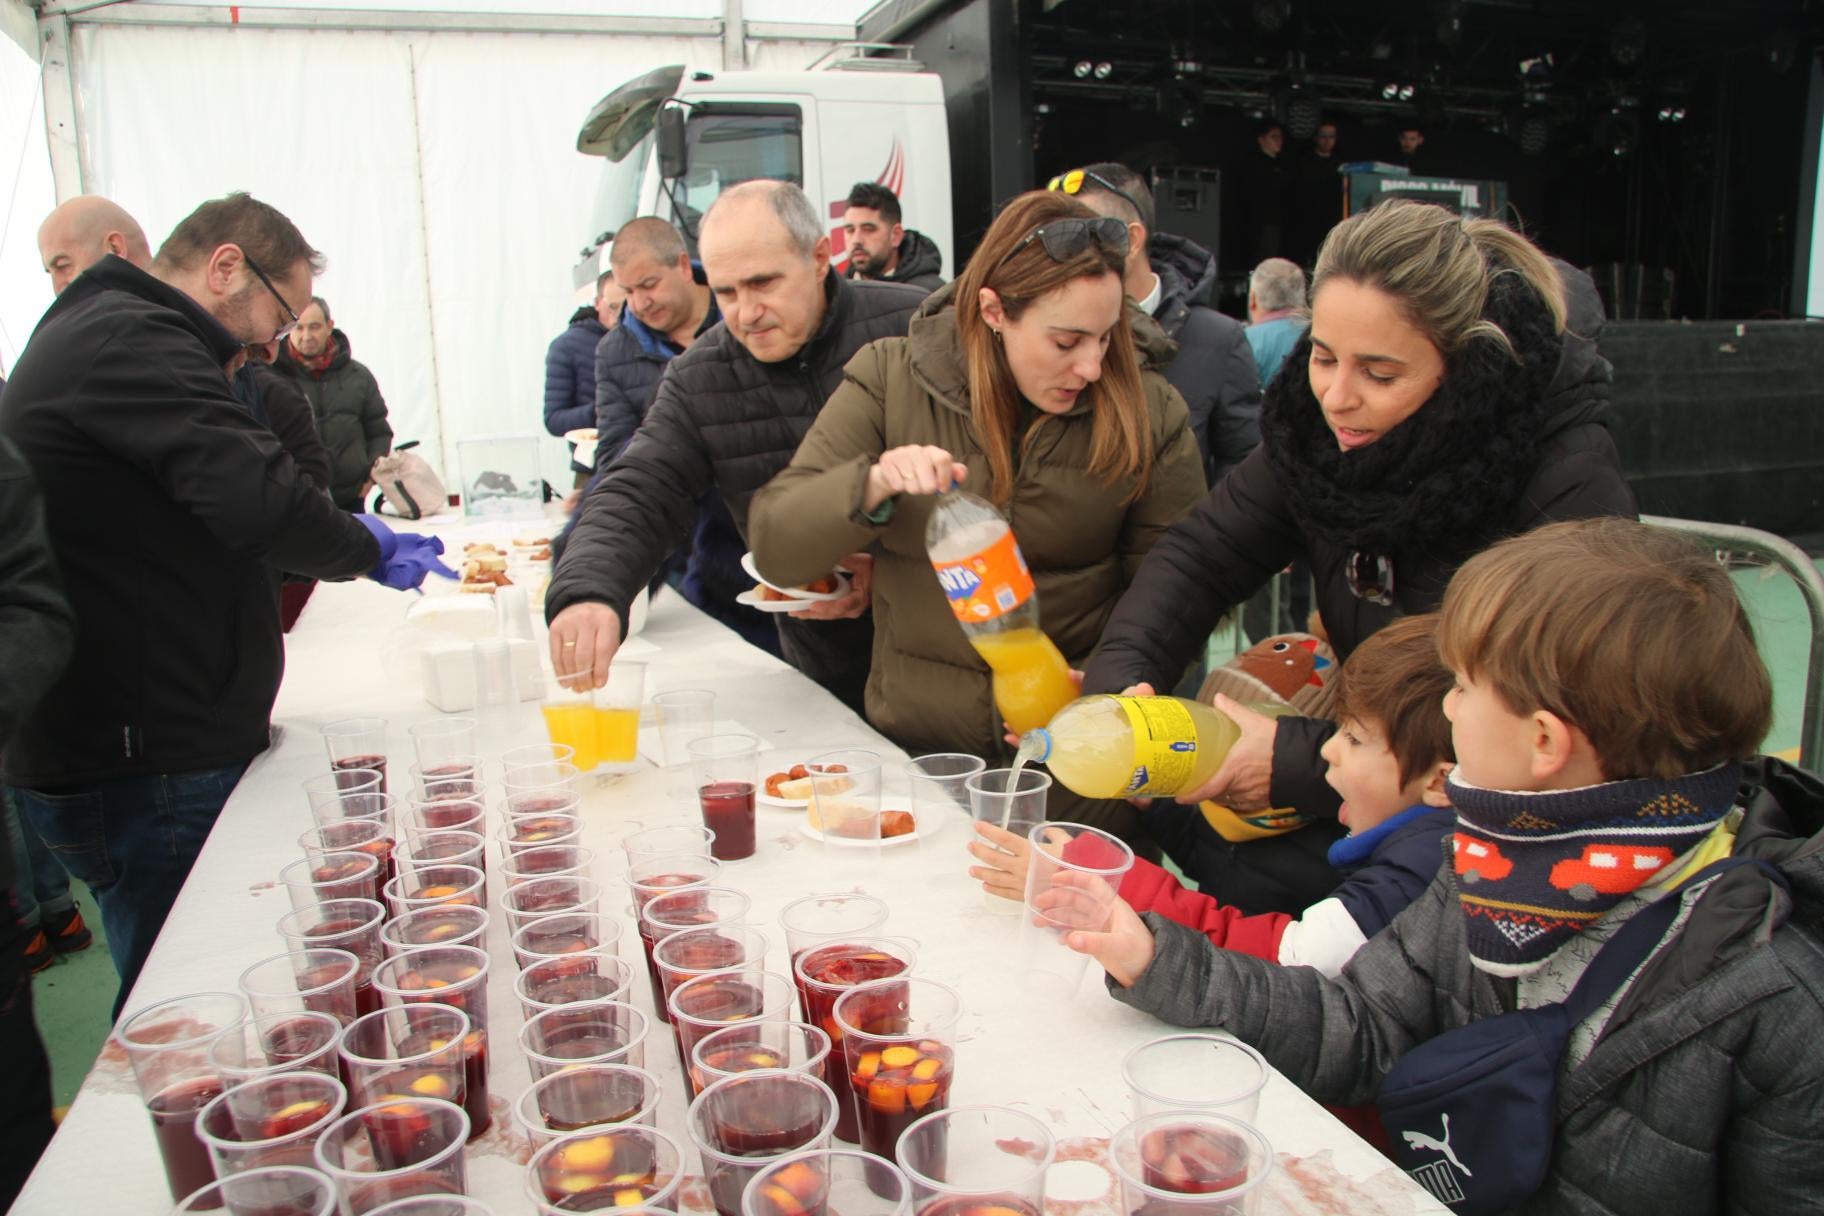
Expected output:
(1277, 283)
(789, 204)
(647, 235)
(322, 304)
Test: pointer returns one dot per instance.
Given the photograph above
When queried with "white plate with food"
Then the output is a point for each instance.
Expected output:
(789, 787)
(900, 822)
(832, 586)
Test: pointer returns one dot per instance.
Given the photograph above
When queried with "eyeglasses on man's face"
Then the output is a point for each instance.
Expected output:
(259, 274)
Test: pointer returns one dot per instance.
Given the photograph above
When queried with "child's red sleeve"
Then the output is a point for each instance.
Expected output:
(1151, 888)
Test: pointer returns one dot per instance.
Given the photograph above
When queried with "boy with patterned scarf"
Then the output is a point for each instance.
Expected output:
(1608, 693)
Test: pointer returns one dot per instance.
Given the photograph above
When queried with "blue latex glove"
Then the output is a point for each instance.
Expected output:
(405, 557)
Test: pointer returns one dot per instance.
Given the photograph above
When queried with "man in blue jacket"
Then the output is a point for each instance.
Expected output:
(570, 363)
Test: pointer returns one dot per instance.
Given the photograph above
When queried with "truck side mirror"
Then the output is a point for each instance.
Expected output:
(674, 157)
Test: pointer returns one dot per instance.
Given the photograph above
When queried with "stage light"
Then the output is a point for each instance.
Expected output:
(1272, 16)
(1389, 91)
(1083, 69)
(1406, 92)
(1628, 42)
(1298, 110)
(1103, 69)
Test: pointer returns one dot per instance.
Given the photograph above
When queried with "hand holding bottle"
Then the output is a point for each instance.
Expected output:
(913, 469)
(1246, 774)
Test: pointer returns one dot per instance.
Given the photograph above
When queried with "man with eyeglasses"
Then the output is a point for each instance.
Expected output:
(344, 397)
(167, 505)
(1169, 277)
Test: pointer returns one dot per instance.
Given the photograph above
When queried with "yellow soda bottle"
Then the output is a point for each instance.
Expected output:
(984, 576)
(1132, 747)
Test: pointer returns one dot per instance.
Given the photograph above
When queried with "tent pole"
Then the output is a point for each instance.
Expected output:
(57, 72)
(430, 299)
(734, 36)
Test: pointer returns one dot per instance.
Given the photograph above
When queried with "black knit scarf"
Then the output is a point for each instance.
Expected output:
(1442, 480)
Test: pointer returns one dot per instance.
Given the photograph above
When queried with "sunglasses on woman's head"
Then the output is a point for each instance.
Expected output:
(1065, 239)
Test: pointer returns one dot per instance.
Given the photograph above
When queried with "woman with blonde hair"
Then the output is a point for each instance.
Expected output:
(1031, 382)
(1443, 404)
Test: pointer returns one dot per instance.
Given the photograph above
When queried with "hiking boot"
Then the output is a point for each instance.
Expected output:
(67, 931)
(38, 953)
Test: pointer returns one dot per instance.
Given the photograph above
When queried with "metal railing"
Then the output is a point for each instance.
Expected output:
(1793, 560)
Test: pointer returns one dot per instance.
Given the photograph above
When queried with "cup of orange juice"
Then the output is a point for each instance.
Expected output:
(617, 715)
(570, 720)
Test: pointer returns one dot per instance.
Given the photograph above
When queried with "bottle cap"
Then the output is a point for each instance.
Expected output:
(1043, 737)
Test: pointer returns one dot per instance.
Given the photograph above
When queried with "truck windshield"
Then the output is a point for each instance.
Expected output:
(617, 191)
(729, 148)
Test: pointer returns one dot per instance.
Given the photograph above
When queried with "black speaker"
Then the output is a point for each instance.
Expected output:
(1188, 202)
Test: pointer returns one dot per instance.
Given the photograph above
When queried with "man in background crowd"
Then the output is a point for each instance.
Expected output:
(669, 307)
(84, 230)
(728, 415)
(570, 363)
(344, 397)
(1263, 194)
(1276, 318)
(1170, 277)
(881, 246)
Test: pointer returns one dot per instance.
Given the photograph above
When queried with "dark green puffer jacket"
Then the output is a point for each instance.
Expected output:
(350, 413)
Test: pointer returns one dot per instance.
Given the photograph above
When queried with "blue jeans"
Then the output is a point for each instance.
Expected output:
(40, 884)
(132, 840)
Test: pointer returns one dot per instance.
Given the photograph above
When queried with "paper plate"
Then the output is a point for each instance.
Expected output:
(809, 597)
(842, 842)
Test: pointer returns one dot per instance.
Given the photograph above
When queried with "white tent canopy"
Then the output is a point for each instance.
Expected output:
(428, 151)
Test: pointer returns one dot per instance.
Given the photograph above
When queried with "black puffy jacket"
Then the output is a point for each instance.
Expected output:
(724, 421)
(920, 265)
(1214, 371)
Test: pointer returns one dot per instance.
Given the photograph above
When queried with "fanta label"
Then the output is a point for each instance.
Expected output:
(1165, 744)
(988, 584)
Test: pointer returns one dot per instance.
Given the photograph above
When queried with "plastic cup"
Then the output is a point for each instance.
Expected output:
(812, 920)
(1211, 1073)
(403, 1147)
(654, 875)
(319, 979)
(710, 1002)
(414, 1052)
(531, 755)
(325, 791)
(587, 1095)
(168, 1046)
(331, 876)
(826, 971)
(434, 886)
(442, 925)
(552, 861)
(977, 1154)
(751, 1046)
(444, 848)
(541, 897)
(339, 924)
(1072, 880)
(281, 1188)
(686, 954)
(444, 815)
(845, 802)
(1191, 1163)
(617, 715)
(657, 842)
(600, 1168)
(899, 1043)
(725, 771)
(572, 979)
(271, 1120)
(451, 779)
(438, 741)
(304, 1041)
(684, 714)
(940, 786)
(831, 1182)
(1017, 809)
(552, 777)
(566, 934)
(535, 831)
(357, 743)
(674, 911)
(597, 1032)
(365, 834)
(444, 1205)
(744, 1123)
(554, 800)
(447, 975)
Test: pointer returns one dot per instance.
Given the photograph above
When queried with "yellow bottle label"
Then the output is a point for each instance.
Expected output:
(1165, 745)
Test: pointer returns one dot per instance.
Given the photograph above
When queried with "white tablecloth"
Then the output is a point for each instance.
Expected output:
(1057, 1060)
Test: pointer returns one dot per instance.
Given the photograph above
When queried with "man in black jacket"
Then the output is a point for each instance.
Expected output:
(166, 504)
(729, 413)
(37, 633)
(1170, 278)
(881, 247)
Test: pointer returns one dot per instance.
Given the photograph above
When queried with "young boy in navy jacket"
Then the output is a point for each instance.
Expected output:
(1390, 760)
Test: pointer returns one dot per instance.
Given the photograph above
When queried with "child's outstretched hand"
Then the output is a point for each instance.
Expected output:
(1124, 946)
(1005, 856)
